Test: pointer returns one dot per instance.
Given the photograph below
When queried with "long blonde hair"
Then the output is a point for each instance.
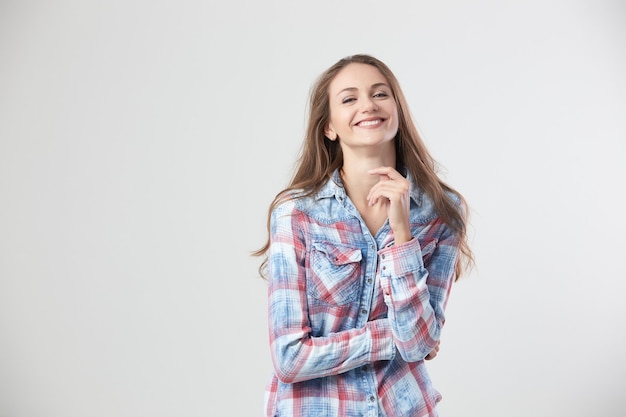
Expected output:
(320, 157)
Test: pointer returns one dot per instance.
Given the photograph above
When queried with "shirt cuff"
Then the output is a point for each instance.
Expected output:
(399, 260)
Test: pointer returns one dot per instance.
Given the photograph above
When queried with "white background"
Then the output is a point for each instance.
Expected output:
(141, 143)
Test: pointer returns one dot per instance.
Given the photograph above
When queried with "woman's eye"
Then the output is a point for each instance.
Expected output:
(347, 100)
(381, 94)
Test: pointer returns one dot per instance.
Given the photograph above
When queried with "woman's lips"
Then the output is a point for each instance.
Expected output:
(370, 123)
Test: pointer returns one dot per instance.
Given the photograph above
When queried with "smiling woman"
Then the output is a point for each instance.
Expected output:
(363, 113)
(363, 248)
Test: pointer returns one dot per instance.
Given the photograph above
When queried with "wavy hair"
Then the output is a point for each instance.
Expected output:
(320, 157)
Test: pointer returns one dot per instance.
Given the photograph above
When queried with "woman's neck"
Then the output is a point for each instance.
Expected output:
(357, 180)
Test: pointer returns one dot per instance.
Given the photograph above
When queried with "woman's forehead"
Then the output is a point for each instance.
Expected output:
(357, 75)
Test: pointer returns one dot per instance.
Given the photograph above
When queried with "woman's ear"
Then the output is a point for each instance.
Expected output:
(330, 133)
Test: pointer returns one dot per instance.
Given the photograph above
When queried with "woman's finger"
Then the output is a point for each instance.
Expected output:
(386, 171)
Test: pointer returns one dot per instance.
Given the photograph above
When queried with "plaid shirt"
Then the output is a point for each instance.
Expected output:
(352, 316)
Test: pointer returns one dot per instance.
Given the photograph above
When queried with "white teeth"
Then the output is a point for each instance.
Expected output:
(369, 122)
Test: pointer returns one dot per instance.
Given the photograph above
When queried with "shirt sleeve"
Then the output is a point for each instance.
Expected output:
(296, 355)
(416, 283)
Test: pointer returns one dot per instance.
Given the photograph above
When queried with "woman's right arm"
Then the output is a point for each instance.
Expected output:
(295, 354)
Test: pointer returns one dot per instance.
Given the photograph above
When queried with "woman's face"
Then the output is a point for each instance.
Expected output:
(363, 111)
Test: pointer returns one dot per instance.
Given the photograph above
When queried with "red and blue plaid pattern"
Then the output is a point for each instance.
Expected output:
(352, 316)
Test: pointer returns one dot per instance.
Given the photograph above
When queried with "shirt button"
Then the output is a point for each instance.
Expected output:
(363, 311)
(369, 280)
(384, 268)
(382, 256)
(372, 398)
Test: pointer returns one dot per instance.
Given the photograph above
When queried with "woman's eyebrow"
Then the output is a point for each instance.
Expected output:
(374, 86)
(380, 85)
(347, 89)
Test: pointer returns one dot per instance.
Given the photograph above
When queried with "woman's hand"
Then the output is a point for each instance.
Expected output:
(393, 190)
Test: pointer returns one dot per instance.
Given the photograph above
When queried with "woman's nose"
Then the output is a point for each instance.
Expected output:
(369, 105)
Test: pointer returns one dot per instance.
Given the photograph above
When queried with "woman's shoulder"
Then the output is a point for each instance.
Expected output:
(292, 200)
(454, 197)
(426, 208)
(306, 199)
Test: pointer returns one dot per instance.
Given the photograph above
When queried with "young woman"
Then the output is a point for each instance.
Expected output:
(363, 248)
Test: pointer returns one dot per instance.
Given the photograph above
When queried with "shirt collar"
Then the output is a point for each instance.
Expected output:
(334, 187)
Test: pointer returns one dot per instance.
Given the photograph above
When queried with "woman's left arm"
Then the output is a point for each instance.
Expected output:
(416, 282)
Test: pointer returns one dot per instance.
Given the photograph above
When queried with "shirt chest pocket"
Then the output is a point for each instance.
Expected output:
(335, 273)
